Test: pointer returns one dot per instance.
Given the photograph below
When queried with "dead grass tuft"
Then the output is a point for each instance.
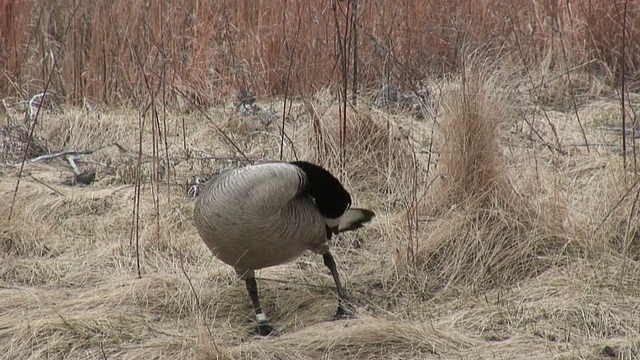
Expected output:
(472, 160)
(21, 236)
(620, 224)
(485, 247)
(486, 233)
(14, 136)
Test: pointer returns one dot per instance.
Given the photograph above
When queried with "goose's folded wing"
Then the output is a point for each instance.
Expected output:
(270, 187)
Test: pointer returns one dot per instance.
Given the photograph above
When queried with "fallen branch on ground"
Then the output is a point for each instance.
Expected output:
(59, 154)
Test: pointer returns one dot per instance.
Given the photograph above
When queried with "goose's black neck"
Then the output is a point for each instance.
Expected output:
(330, 197)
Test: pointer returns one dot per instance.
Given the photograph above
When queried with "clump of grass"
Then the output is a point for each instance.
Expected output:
(14, 137)
(130, 173)
(471, 158)
(619, 227)
(21, 235)
(486, 233)
(77, 129)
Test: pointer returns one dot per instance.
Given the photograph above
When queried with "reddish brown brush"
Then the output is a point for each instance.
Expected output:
(111, 51)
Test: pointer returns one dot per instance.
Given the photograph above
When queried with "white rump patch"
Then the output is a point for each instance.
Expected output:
(355, 219)
(332, 223)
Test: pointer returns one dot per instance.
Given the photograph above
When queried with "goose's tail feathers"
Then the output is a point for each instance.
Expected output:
(355, 219)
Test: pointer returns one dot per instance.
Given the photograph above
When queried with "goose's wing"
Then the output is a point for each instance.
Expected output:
(265, 189)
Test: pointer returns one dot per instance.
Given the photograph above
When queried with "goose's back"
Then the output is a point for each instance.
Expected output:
(252, 218)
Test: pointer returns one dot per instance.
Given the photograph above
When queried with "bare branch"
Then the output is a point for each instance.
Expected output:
(67, 153)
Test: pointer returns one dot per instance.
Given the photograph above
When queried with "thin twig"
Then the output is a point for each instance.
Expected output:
(29, 140)
(46, 185)
(614, 207)
(195, 296)
(135, 228)
(558, 146)
(548, 145)
(291, 54)
(342, 60)
(72, 161)
(623, 88)
(58, 154)
(220, 131)
(32, 102)
(354, 45)
(573, 95)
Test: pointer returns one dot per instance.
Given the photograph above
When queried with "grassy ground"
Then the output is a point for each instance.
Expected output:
(500, 235)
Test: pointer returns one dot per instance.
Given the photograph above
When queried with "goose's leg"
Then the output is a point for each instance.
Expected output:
(342, 293)
(263, 328)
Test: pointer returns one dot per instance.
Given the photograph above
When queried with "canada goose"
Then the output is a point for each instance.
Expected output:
(268, 214)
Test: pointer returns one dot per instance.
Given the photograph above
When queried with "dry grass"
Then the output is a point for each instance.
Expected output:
(508, 227)
(485, 233)
(503, 249)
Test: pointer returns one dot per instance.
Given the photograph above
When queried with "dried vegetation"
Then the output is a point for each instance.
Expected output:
(509, 223)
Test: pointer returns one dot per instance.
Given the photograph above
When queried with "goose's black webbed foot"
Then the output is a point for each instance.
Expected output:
(263, 329)
(345, 311)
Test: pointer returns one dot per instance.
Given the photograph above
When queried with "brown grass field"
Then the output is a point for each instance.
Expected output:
(508, 219)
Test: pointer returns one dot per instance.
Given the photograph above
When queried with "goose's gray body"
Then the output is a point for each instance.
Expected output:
(267, 214)
(252, 218)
